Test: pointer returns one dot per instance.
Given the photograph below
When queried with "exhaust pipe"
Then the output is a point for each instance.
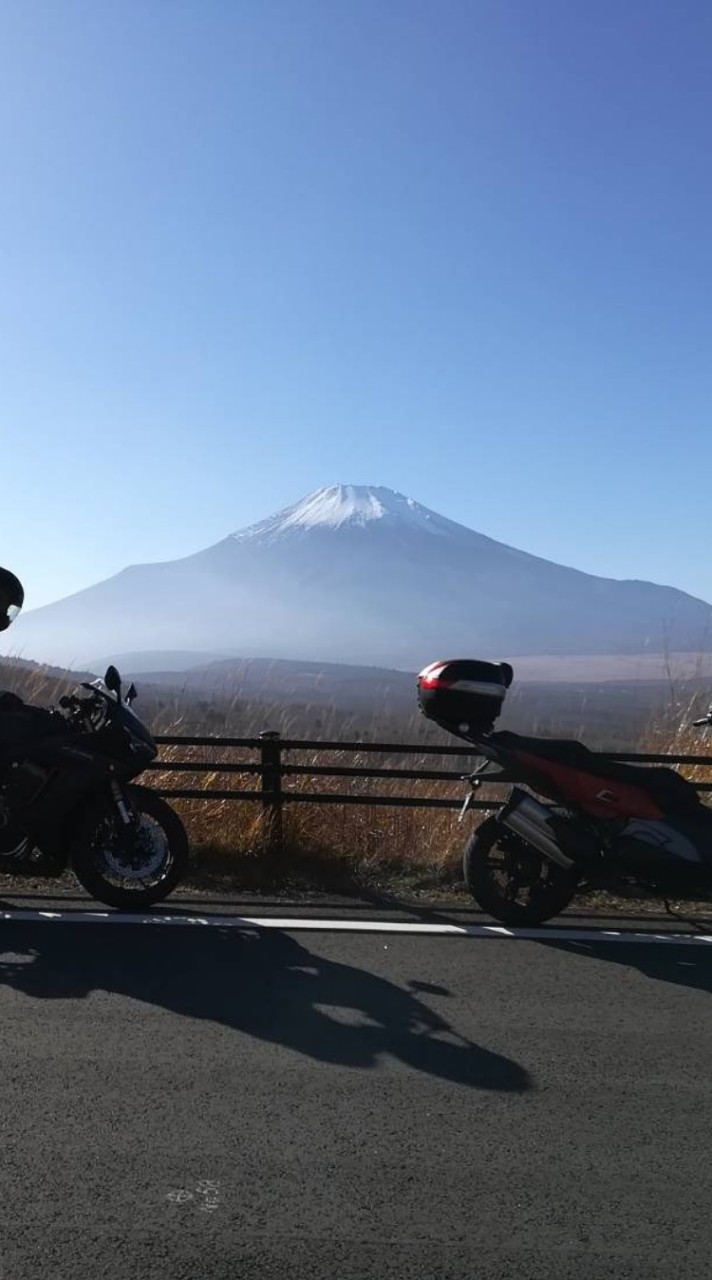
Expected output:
(527, 818)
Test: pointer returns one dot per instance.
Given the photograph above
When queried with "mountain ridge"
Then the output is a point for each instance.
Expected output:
(363, 575)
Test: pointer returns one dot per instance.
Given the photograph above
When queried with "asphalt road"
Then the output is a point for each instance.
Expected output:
(223, 1104)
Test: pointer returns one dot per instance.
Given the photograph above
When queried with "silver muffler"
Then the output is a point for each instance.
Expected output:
(532, 821)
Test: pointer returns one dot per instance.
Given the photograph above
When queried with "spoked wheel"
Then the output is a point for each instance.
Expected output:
(131, 866)
(511, 881)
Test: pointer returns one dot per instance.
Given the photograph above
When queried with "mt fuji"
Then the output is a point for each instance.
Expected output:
(363, 575)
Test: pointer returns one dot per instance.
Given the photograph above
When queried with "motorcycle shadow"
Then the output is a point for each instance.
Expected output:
(260, 983)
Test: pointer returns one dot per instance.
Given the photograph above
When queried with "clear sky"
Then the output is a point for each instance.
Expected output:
(461, 248)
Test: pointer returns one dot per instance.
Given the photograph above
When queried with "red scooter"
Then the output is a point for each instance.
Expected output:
(573, 816)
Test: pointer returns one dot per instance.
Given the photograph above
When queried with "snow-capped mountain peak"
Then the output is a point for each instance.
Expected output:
(348, 506)
(363, 575)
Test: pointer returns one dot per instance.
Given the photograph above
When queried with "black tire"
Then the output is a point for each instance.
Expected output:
(494, 851)
(98, 839)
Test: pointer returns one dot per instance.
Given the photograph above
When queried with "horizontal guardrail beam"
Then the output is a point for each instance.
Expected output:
(271, 771)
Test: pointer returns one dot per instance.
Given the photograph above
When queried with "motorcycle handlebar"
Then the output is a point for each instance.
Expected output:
(85, 713)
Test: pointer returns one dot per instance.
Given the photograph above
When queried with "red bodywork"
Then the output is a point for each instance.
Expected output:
(599, 797)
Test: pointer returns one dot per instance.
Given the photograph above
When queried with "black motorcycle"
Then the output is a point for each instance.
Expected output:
(69, 800)
(603, 823)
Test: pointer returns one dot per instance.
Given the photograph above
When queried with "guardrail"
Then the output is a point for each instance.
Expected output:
(273, 771)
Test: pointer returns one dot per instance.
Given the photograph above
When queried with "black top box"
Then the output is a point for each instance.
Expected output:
(464, 695)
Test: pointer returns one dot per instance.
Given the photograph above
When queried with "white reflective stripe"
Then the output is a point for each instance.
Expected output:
(429, 669)
(433, 671)
(309, 924)
(478, 686)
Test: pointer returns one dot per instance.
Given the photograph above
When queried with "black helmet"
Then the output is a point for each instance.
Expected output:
(12, 597)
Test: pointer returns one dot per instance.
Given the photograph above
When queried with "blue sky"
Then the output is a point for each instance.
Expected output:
(461, 248)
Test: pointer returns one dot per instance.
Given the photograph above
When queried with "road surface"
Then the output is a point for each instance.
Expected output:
(228, 1103)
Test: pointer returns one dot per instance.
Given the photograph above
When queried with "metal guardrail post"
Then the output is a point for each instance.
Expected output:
(272, 802)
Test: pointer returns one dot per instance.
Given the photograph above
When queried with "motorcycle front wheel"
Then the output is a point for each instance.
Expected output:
(132, 866)
(512, 881)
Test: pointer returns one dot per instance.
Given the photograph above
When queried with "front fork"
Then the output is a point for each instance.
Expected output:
(119, 799)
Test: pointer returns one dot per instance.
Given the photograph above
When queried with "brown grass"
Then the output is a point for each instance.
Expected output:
(330, 845)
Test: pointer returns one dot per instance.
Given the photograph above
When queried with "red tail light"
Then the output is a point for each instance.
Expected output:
(431, 677)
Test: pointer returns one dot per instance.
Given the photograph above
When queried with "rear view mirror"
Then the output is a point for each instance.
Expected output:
(132, 694)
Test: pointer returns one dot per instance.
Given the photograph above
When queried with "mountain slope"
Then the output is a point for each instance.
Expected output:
(363, 575)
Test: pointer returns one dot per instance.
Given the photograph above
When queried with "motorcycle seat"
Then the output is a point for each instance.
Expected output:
(664, 784)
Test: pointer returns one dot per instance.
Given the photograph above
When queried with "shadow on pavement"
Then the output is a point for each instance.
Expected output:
(262, 983)
(685, 965)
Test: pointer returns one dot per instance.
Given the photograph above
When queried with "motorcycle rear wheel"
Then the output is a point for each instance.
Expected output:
(136, 867)
(511, 880)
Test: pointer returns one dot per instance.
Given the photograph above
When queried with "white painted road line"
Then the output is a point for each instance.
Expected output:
(306, 924)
